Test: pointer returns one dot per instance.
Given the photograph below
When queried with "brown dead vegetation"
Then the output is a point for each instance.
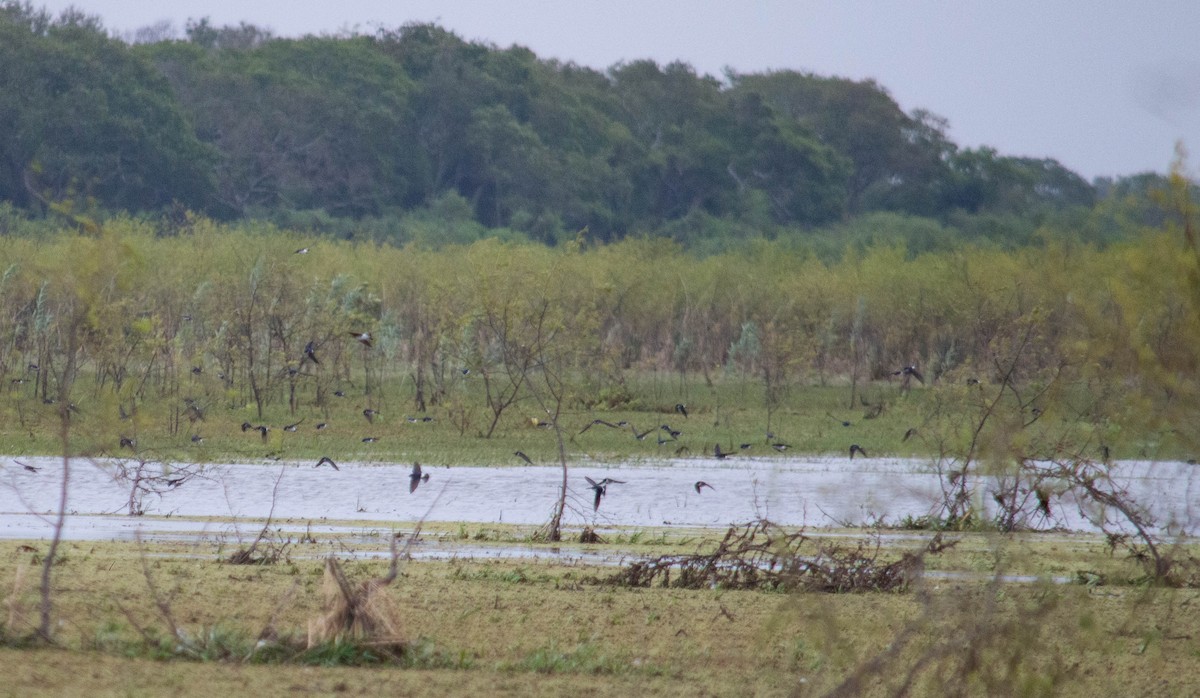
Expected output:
(762, 555)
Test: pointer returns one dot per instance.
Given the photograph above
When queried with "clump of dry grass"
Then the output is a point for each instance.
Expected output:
(762, 555)
(363, 614)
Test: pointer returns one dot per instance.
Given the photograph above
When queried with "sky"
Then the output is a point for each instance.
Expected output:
(1106, 87)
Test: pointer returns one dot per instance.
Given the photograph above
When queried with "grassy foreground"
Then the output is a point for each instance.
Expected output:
(524, 627)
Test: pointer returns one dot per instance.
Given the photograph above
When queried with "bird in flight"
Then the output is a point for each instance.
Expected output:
(910, 371)
(681, 409)
(370, 414)
(326, 460)
(363, 338)
(310, 352)
(855, 448)
(721, 455)
(844, 422)
(780, 446)
(912, 431)
(522, 456)
(600, 488)
(415, 478)
(642, 436)
(370, 439)
(302, 250)
(28, 467)
(594, 422)
(293, 427)
(701, 484)
(127, 442)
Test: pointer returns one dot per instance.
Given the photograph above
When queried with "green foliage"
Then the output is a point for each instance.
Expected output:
(418, 135)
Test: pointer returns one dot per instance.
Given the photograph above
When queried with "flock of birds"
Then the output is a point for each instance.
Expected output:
(664, 433)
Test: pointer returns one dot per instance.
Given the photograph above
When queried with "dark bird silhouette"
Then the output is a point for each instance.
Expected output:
(370, 439)
(321, 426)
(339, 393)
(745, 447)
(175, 482)
(681, 409)
(912, 431)
(197, 370)
(910, 371)
(310, 353)
(780, 446)
(600, 488)
(855, 448)
(522, 456)
(326, 460)
(673, 432)
(594, 422)
(843, 422)
(701, 484)
(197, 439)
(302, 250)
(30, 468)
(1043, 498)
(721, 455)
(127, 442)
(262, 430)
(293, 427)
(247, 426)
(363, 338)
(415, 478)
(370, 415)
(642, 436)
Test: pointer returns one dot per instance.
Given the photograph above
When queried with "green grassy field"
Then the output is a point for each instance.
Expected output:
(524, 627)
(810, 419)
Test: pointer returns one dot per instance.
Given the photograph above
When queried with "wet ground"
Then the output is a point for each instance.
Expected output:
(802, 491)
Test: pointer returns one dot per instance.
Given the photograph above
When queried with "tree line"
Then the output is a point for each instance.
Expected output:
(393, 134)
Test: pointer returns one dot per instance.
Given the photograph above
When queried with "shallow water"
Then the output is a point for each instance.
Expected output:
(803, 491)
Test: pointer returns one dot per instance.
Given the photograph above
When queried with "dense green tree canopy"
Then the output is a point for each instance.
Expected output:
(377, 131)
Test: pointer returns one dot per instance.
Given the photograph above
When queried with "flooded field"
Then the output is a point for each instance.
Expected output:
(802, 491)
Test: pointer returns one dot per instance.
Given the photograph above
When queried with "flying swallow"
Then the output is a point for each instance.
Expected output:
(370, 415)
(701, 484)
(302, 250)
(855, 448)
(310, 352)
(324, 460)
(594, 422)
(600, 488)
(293, 427)
(364, 338)
(522, 456)
(910, 371)
(681, 409)
(416, 478)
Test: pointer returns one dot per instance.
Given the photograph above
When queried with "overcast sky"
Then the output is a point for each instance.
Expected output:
(1107, 87)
